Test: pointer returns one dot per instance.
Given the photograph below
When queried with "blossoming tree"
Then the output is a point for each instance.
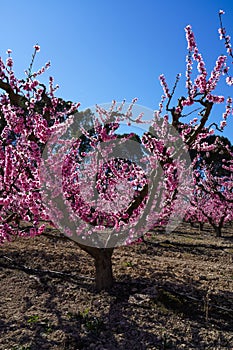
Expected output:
(125, 197)
(212, 197)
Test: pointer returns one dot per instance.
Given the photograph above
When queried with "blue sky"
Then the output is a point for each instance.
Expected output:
(103, 49)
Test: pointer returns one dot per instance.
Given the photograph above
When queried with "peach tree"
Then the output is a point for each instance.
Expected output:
(99, 185)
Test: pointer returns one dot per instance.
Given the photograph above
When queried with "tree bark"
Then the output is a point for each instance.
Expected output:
(191, 223)
(103, 269)
(201, 226)
(103, 266)
(218, 231)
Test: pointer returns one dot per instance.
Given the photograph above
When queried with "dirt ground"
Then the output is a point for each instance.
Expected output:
(171, 292)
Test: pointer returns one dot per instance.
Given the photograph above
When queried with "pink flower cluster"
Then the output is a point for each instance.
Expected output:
(227, 40)
(164, 85)
(21, 144)
(212, 199)
(101, 191)
(190, 38)
(200, 89)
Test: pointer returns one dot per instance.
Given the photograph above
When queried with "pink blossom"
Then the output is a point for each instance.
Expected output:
(223, 124)
(164, 85)
(9, 62)
(187, 102)
(190, 38)
(229, 80)
(37, 47)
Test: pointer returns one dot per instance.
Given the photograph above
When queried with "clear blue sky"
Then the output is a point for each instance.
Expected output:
(103, 49)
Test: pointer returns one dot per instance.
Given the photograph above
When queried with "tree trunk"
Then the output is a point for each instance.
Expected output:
(191, 223)
(103, 269)
(201, 226)
(103, 266)
(218, 231)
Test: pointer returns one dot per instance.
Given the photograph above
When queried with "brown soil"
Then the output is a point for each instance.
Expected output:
(172, 292)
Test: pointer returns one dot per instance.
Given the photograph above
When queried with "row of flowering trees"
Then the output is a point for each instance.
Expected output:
(212, 156)
(212, 200)
(89, 186)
